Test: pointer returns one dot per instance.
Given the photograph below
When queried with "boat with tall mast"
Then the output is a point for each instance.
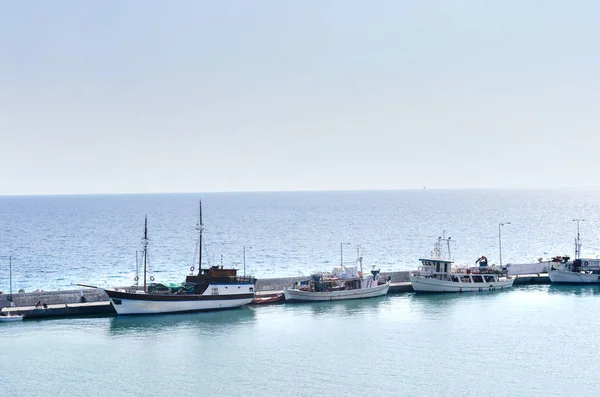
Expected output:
(579, 270)
(437, 275)
(212, 288)
(344, 282)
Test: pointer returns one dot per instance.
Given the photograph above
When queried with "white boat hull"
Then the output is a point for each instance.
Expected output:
(569, 277)
(298, 295)
(135, 303)
(13, 317)
(425, 284)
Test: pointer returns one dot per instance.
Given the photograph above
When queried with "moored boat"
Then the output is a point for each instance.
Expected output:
(342, 283)
(10, 317)
(262, 300)
(213, 288)
(437, 275)
(578, 271)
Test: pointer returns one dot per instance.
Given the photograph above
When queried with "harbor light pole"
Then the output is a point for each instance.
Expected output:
(10, 276)
(500, 239)
(577, 240)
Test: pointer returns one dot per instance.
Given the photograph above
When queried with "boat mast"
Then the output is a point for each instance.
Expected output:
(578, 239)
(145, 242)
(359, 259)
(438, 246)
(199, 228)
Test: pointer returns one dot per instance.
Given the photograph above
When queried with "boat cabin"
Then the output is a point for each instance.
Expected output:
(436, 268)
(319, 284)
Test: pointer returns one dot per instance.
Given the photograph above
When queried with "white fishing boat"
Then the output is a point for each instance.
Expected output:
(6, 317)
(436, 274)
(344, 282)
(577, 271)
(213, 288)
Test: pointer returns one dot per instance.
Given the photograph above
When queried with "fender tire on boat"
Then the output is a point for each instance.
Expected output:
(151, 278)
(192, 269)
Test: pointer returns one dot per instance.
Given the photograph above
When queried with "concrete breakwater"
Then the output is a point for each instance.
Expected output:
(94, 301)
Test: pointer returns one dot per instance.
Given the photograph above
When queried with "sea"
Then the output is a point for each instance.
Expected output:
(536, 340)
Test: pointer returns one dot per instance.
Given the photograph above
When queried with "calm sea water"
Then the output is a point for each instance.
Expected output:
(57, 241)
(530, 341)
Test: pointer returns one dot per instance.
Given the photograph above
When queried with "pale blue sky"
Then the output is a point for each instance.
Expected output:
(193, 96)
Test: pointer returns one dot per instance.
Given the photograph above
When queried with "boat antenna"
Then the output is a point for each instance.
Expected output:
(359, 259)
(145, 243)
(199, 228)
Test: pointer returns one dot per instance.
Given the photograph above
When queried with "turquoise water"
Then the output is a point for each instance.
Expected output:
(528, 341)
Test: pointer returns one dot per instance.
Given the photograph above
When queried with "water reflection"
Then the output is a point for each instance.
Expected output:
(209, 321)
(574, 289)
(349, 307)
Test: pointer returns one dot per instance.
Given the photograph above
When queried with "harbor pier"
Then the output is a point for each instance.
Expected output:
(94, 301)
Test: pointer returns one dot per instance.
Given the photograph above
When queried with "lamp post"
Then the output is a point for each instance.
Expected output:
(10, 295)
(577, 240)
(342, 253)
(10, 276)
(500, 239)
(249, 247)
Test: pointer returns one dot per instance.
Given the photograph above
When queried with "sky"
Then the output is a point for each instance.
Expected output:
(274, 95)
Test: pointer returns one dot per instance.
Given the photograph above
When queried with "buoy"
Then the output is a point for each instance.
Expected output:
(192, 269)
(151, 278)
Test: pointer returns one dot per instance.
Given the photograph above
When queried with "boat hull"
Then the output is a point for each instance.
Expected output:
(423, 284)
(297, 295)
(126, 303)
(13, 317)
(568, 277)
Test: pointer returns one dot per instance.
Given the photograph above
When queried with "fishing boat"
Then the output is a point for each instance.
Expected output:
(579, 270)
(344, 282)
(6, 317)
(212, 288)
(436, 274)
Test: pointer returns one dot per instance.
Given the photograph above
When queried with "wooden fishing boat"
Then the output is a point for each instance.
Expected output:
(344, 282)
(213, 288)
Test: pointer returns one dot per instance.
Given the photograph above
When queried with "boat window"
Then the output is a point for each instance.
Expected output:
(489, 279)
(477, 279)
(454, 278)
(465, 279)
(117, 301)
(251, 289)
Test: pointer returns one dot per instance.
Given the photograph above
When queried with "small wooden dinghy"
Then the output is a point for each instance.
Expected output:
(268, 299)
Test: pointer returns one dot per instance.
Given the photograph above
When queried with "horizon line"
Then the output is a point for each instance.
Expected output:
(424, 188)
